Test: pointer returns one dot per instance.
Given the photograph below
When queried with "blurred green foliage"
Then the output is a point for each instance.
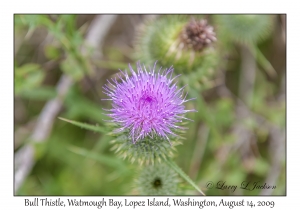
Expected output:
(220, 145)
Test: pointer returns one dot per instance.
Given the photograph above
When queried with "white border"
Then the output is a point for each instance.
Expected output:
(8, 201)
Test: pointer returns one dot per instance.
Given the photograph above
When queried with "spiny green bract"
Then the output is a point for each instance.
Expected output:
(145, 151)
(161, 40)
(158, 179)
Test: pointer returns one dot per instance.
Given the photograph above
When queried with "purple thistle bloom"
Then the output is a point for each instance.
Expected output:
(146, 103)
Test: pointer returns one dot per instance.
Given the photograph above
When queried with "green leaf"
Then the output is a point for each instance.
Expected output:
(176, 168)
(28, 77)
(76, 40)
(110, 161)
(35, 20)
(71, 67)
(86, 126)
(70, 24)
(52, 52)
(41, 93)
(26, 69)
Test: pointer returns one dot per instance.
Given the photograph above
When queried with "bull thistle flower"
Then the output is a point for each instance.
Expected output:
(147, 111)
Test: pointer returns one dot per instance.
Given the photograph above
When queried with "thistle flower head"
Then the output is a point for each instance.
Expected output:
(147, 104)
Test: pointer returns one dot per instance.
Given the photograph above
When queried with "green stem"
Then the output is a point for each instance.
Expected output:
(176, 168)
(263, 61)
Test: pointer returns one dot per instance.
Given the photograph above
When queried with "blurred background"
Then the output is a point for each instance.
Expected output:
(62, 61)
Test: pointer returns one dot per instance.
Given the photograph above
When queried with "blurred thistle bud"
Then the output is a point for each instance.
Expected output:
(244, 29)
(158, 179)
(147, 112)
(186, 44)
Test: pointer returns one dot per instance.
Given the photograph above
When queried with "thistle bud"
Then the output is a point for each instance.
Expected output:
(158, 179)
(198, 35)
(245, 29)
(187, 45)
